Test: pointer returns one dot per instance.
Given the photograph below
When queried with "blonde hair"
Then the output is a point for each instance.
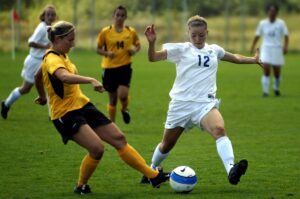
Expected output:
(42, 15)
(60, 29)
(196, 21)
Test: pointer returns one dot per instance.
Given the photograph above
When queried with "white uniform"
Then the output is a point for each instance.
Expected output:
(272, 34)
(34, 59)
(194, 90)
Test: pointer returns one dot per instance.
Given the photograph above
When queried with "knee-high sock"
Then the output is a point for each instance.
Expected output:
(158, 157)
(276, 83)
(13, 96)
(225, 151)
(124, 104)
(129, 155)
(87, 168)
(265, 82)
(111, 112)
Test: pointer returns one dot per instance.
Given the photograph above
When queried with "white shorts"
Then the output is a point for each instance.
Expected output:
(30, 68)
(188, 114)
(272, 55)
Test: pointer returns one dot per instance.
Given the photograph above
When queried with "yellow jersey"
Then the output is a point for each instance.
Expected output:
(118, 43)
(62, 97)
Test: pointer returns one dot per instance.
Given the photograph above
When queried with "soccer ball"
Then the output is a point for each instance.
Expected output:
(183, 179)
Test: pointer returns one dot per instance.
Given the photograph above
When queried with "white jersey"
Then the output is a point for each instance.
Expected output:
(272, 33)
(195, 71)
(39, 36)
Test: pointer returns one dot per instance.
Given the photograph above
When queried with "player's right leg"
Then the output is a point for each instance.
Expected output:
(14, 96)
(277, 79)
(89, 140)
(265, 80)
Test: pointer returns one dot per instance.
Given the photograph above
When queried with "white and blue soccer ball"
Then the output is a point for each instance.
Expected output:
(183, 179)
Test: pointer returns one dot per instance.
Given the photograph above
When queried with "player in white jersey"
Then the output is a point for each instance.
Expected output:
(38, 43)
(272, 30)
(193, 96)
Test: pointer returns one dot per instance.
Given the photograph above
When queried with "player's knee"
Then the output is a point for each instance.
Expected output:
(218, 131)
(97, 151)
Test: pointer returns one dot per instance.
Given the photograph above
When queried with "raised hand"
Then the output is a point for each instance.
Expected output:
(150, 33)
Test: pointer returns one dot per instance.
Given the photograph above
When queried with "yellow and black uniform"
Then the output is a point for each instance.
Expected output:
(70, 108)
(117, 70)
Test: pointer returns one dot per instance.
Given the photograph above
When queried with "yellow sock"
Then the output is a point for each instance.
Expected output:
(124, 104)
(129, 155)
(111, 112)
(87, 168)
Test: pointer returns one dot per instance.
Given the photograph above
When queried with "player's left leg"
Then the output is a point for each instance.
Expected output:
(111, 134)
(277, 79)
(123, 93)
(213, 123)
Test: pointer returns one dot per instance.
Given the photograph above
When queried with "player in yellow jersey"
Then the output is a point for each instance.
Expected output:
(75, 117)
(117, 44)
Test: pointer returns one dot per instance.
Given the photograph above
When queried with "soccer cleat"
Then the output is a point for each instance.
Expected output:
(237, 171)
(144, 180)
(82, 189)
(277, 93)
(4, 110)
(159, 179)
(126, 116)
(265, 94)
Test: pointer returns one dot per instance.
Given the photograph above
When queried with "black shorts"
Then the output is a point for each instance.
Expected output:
(114, 77)
(69, 124)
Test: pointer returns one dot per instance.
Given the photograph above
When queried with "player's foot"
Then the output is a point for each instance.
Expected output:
(277, 92)
(237, 171)
(265, 94)
(126, 116)
(159, 179)
(82, 189)
(144, 180)
(4, 110)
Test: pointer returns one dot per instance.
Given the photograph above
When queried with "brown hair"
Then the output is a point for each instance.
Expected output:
(120, 7)
(60, 29)
(196, 21)
(42, 15)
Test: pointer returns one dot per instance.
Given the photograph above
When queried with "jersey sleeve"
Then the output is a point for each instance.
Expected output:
(101, 38)
(38, 34)
(259, 31)
(174, 51)
(219, 51)
(54, 63)
(135, 37)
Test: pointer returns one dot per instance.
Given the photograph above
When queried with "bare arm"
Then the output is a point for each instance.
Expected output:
(102, 51)
(152, 54)
(286, 44)
(41, 99)
(37, 45)
(132, 51)
(240, 59)
(255, 40)
(69, 78)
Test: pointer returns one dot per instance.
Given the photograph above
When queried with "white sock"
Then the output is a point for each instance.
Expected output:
(265, 82)
(276, 83)
(13, 96)
(225, 151)
(158, 157)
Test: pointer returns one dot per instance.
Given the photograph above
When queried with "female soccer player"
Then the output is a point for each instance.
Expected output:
(75, 117)
(193, 96)
(117, 43)
(273, 30)
(38, 43)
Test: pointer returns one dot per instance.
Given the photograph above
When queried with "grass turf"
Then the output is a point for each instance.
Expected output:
(35, 164)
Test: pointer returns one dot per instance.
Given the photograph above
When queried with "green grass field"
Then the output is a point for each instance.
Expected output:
(35, 164)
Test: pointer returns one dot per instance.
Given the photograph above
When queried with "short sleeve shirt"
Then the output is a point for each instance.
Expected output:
(39, 36)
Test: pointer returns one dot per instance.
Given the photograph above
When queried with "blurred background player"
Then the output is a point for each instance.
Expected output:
(75, 117)
(117, 43)
(272, 30)
(38, 43)
(193, 96)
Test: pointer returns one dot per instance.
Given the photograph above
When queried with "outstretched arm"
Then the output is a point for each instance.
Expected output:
(240, 59)
(152, 54)
(69, 78)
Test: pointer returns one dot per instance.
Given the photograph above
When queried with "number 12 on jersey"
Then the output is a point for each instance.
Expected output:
(206, 60)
